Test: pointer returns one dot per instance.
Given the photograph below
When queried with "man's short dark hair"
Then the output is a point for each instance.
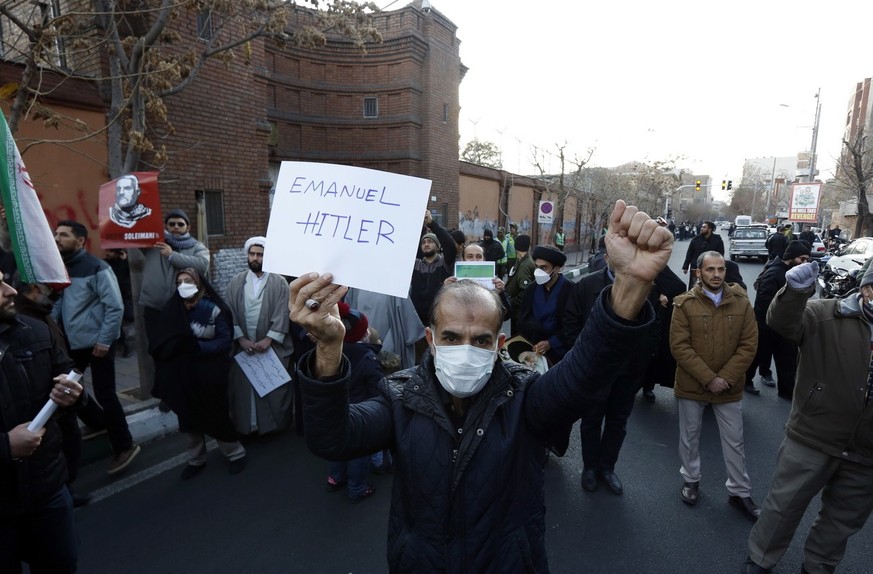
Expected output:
(79, 230)
(469, 294)
(710, 224)
(706, 254)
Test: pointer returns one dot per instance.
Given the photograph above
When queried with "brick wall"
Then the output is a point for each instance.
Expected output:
(220, 144)
(315, 100)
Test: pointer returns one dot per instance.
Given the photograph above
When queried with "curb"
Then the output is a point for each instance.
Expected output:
(150, 424)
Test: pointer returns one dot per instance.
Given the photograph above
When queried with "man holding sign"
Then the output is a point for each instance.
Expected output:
(36, 510)
(468, 430)
(258, 301)
(433, 268)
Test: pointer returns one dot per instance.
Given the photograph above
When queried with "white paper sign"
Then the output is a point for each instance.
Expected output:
(361, 225)
(482, 272)
(263, 370)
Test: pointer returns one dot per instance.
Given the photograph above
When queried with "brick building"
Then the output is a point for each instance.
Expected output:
(393, 107)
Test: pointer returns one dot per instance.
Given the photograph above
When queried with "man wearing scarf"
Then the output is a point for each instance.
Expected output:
(163, 261)
(828, 445)
(259, 304)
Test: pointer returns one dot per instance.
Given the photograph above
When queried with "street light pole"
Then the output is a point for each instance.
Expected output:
(812, 154)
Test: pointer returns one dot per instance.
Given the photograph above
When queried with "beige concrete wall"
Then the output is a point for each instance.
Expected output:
(478, 206)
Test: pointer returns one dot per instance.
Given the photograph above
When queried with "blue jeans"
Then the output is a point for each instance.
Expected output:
(355, 471)
(45, 537)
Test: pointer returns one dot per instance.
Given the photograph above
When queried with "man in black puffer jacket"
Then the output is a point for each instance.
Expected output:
(36, 511)
(468, 431)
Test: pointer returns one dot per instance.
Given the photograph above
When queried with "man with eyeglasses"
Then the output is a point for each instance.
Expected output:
(177, 251)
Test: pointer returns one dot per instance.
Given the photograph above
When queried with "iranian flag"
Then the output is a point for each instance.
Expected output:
(33, 243)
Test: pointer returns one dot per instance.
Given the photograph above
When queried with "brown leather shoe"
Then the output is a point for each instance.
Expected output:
(121, 460)
(690, 493)
(746, 505)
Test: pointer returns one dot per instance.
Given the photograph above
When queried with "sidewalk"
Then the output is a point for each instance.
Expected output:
(147, 422)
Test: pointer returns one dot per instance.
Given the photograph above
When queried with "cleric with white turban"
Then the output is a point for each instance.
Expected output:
(257, 240)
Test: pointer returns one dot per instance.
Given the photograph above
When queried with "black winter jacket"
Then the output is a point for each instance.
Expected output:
(768, 283)
(28, 364)
(701, 244)
(470, 500)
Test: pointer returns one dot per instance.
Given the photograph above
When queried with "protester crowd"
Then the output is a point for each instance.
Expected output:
(431, 389)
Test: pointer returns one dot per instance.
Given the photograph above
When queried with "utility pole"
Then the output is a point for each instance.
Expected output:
(812, 154)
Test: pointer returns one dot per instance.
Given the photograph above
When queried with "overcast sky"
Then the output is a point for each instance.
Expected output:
(714, 82)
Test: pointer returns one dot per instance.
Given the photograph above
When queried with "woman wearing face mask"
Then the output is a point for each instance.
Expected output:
(191, 352)
(542, 309)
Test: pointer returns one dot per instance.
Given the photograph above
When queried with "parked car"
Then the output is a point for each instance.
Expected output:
(749, 241)
(818, 247)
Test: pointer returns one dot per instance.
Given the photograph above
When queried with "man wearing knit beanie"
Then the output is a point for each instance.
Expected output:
(429, 272)
(828, 445)
(784, 351)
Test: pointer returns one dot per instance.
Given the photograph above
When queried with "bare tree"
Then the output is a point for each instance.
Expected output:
(562, 184)
(138, 55)
(855, 174)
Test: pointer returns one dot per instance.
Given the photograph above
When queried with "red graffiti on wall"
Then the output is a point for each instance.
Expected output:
(82, 209)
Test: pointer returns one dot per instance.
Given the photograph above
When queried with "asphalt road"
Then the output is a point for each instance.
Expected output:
(277, 518)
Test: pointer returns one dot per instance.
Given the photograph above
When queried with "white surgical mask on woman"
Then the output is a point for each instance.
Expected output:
(463, 370)
(541, 277)
(187, 290)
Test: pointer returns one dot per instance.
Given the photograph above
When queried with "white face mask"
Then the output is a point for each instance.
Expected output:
(541, 277)
(187, 290)
(463, 370)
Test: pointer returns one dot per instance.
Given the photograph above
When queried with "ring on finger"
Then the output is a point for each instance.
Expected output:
(66, 391)
(312, 304)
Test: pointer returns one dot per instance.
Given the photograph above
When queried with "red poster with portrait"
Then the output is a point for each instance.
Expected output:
(130, 211)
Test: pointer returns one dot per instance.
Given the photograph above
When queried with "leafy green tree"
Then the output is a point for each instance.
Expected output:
(483, 153)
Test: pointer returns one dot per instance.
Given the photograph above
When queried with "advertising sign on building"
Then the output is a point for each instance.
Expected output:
(547, 212)
(803, 207)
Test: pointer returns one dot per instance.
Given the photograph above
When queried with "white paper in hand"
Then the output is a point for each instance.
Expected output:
(50, 407)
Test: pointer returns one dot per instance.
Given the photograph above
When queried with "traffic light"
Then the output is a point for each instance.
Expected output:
(697, 185)
(723, 184)
(730, 184)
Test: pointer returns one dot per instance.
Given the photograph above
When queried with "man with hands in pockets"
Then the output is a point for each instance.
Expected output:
(468, 431)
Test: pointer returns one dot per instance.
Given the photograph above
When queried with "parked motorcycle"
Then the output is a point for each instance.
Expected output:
(834, 281)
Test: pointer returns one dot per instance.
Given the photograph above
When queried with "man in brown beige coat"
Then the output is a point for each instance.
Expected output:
(713, 337)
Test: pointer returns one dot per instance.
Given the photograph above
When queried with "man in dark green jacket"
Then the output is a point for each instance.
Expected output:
(828, 444)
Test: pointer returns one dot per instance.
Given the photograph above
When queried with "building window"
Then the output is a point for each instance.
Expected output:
(205, 30)
(214, 212)
(371, 107)
(445, 113)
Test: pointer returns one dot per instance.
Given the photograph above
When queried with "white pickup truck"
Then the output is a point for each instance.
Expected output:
(749, 241)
